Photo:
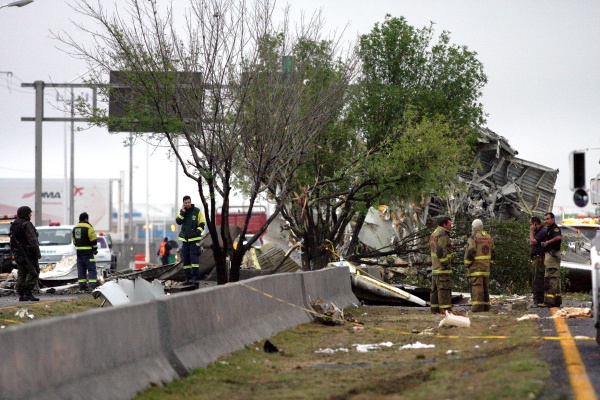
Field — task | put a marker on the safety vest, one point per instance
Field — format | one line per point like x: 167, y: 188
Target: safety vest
x: 85, y: 239
x: 162, y: 251
x: 190, y: 224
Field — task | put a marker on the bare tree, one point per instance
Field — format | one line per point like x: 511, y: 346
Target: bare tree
x: 213, y: 90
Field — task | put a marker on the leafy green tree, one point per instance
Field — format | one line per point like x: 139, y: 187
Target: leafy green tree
x: 403, y: 69
x: 405, y: 134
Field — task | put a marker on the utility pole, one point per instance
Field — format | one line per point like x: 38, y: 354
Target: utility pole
x: 39, y: 116
x: 38, y: 119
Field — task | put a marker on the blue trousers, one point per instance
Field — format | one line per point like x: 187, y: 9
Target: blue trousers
x: 86, y: 271
x: 191, y: 252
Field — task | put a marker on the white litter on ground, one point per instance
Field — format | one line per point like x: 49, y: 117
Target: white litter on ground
x: 455, y: 320
x: 363, y: 348
x: 22, y: 313
x: 331, y: 351
x: 417, y: 345
x: 528, y: 316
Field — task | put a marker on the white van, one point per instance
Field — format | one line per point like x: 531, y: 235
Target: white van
x: 56, y: 243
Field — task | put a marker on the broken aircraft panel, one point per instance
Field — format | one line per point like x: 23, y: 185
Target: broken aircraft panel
x: 501, y: 186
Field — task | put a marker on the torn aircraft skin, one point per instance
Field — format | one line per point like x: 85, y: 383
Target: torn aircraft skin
x: 369, y: 287
x: 500, y: 186
x: 503, y: 186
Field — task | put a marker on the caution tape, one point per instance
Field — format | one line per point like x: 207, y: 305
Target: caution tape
x: 436, y: 335
x: 11, y: 321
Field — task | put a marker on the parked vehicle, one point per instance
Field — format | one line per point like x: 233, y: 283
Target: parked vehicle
x: 105, y: 257
x: 58, y: 264
x: 56, y: 243
x: 6, y: 256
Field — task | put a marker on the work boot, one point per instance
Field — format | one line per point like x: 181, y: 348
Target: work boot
x: 558, y: 301
x: 29, y: 297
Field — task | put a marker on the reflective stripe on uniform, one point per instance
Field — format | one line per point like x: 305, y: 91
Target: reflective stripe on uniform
x: 441, y: 272
x: 479, y: 274
x: 190, y: 240
x: 442, y: 260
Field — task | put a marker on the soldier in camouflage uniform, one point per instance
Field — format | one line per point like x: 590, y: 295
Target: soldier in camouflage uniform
x: 441, y: 283
x: 25, y: 245
x: 479, y: 254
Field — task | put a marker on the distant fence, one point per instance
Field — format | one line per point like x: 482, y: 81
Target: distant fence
x: 115, y: 352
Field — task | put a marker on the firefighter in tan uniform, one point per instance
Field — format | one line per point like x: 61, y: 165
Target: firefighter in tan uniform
x: 479, y: 255
x: 551, y: 247
x: 441, y: 270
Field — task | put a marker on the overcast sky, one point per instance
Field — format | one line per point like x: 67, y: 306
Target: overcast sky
x: 542, y: 59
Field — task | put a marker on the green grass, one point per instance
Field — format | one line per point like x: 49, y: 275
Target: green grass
x: 48, y: 309
x: 465, y: 362
x: 480, y: 366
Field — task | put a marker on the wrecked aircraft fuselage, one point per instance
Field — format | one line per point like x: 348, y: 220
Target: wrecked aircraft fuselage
x: 501, y: 186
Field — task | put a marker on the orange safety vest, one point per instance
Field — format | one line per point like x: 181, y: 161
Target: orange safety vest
x: 162, y: 251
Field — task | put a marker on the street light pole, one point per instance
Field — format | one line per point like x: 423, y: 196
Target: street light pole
x: 39, y: 115
x: 19, y: 3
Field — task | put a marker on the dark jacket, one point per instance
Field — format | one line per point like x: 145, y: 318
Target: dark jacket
x: 537, y: 249
x: 85, y: 239
x: 192, y: 224
x: 23, y: 231
x: 552, y: 232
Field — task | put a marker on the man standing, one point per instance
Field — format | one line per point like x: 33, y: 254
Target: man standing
x: 537, y: 234
x: 25, y: 245
x: 551, y: 247
x: 192, y: 224
x: 479, y: 255
x: 164, y: 251
x: 441, y: 282
x: 86, y: 243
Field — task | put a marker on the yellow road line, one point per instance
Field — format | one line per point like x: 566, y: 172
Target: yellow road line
x: 580, y: 383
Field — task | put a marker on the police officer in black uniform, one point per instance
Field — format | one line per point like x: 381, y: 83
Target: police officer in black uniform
x: 24, y: 243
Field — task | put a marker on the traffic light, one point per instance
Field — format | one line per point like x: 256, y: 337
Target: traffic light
x: 580, y: 195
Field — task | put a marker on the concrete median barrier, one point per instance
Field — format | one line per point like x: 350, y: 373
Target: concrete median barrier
x: 332, y: 285
x: 116, y: 352
x: 108, y: 353
x: 200, y: 326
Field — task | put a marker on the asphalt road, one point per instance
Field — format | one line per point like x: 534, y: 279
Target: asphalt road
x: 571, y: 379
